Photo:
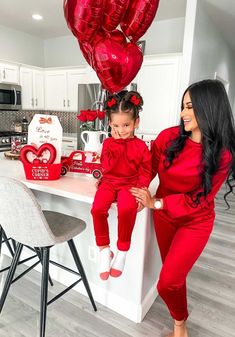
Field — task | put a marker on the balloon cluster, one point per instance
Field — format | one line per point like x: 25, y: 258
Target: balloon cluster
x: 112, y: 53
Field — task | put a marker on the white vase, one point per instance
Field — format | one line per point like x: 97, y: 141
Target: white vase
x: 92, y: 140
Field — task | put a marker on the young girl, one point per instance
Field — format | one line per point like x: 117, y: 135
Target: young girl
x: 126, y: 161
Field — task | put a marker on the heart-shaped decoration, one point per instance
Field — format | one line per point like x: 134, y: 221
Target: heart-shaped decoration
x: 30, y: 149
x: 116, y: 64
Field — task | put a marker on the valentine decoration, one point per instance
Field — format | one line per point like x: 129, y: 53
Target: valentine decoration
x: 87, y: 162
x: 113, y: 13
x: 116, y: 65
x: 42, y: 166
x: 138, y: 18
x: 45, y: 129
x: 104, y: 47
x: 84, y: 17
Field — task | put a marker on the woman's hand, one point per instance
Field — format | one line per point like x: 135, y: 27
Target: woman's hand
x: 143, y: 196
x: 140, y: 206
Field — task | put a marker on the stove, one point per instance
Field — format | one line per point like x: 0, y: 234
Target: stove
x: 5, y: 139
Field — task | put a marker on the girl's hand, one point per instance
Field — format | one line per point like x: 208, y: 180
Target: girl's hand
x: 114, y: 133
x: 143, y: 196
x: 140, y: 207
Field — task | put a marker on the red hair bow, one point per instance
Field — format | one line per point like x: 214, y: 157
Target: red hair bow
x: 111, y: 102
x: 135, y: 100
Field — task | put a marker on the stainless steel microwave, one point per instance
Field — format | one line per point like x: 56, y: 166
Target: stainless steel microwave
x: 10, y: 96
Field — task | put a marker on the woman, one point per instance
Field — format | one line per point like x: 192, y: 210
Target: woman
x: 192, y: 161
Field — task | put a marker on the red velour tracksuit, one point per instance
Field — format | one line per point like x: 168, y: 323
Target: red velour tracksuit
x: 182, y: 228
x: 126, y: 164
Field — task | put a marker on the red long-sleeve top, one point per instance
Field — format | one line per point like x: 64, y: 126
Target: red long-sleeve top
x: 126, y: 162
x: 183, y: 177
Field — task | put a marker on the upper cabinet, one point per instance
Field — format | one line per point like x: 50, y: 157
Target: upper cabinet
x: 32, y: 82
x: 158, y: 83
x: 61, y: 88
x: 9, y: 73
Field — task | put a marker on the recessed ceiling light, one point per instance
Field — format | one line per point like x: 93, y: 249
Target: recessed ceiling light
x: 37, y: 17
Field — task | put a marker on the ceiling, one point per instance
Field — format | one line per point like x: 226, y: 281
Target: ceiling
x: 16, y: 14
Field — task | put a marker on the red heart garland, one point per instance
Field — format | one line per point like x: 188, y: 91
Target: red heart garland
x: 38, y: 152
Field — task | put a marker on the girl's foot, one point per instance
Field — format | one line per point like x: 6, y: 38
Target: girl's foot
x: 106, y: 257
x: 180, y: 330
x: 118, y: 264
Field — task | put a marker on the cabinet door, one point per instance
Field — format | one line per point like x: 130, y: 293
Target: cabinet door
x: 26, y: 81
x: 55, y: 90
x: 38, y: 89
x: 158, y: 83
x: 9, y: 73
x: 74, y: 77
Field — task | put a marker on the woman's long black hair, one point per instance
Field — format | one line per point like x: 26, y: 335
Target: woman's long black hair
x: 216, y: 123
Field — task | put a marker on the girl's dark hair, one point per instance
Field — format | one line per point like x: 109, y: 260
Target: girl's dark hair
x: 124, y: 101
x: 216, y: 123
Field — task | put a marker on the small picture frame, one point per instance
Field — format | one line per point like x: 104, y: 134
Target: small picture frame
x: 141, y: 45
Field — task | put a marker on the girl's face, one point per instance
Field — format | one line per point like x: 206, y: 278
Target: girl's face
x: 123, y: 124
x: 188, y: 116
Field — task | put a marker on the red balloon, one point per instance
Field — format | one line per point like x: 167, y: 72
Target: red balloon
x: 113, y: 13
x: 116, y: 64
x: 138, y: 18
x: 84, y: 17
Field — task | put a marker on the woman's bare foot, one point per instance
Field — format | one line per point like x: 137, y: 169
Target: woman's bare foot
x: 180, y: 330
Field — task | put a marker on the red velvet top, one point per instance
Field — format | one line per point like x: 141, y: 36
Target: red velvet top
x: 126, y: 162
x: 183, y: 177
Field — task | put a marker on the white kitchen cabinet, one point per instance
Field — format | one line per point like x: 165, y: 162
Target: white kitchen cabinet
x: 32, y: 82
x: 9, y: 73
x: 61, y: 88
x: 69, y: 144
x: 158, y: 83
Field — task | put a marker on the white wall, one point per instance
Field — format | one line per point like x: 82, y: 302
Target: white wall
x: 211, y: 53
x: 162, y: 37
x: 20, y: 47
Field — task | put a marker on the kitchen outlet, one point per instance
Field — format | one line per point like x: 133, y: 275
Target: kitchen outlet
x: 92, y: 253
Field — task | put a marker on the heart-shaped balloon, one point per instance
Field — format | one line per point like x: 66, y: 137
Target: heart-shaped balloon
x: 84, y: 17
x: 138, y: 17
x: 114, y: 11
x: 30, y: 149
x: 116, y: 64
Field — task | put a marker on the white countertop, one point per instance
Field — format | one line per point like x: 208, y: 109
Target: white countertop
x: 73, y: 186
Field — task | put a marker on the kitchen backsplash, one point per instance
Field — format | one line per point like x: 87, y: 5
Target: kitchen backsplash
x: 68, y: 120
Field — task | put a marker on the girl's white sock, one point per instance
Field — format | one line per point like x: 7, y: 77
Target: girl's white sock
x: 105, y: 260
x: 118, y: 263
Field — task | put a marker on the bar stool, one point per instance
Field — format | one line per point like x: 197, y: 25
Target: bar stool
x: 23, y: 220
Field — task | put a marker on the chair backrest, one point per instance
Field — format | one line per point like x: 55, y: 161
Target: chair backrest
x: 21, y: 216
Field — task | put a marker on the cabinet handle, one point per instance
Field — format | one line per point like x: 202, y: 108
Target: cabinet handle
x: 36, y: 101
x: 68, y: 103
x: 32, y: 101
x: 64, y: 103
x: 4, y: 73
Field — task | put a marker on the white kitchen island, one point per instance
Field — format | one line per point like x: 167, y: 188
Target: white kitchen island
x: 132, y: 294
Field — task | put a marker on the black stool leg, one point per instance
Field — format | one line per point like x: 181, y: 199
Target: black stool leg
x: 6, y: 240
x: 81, y: 271
x: 10, y: 274
x: 37, y: 250
x: 44, y: 289
x: 1, y: 230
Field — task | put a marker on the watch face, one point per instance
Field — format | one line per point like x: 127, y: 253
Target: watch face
x: 157, y: 204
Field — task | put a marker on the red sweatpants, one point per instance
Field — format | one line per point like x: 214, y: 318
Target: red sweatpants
x: 180, y: 246
x: 127, y: 210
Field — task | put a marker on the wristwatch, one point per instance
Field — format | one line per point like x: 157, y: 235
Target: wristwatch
x: 157, y: 204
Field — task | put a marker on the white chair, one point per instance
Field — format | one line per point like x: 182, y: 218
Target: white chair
x: 23, y: 220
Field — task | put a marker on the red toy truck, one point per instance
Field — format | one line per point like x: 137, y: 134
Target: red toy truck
x: 82, y: 162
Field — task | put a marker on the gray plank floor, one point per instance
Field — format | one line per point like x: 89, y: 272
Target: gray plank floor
x: 211, y: 296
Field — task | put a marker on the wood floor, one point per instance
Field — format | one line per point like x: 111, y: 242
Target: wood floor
x: 211, y: 297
